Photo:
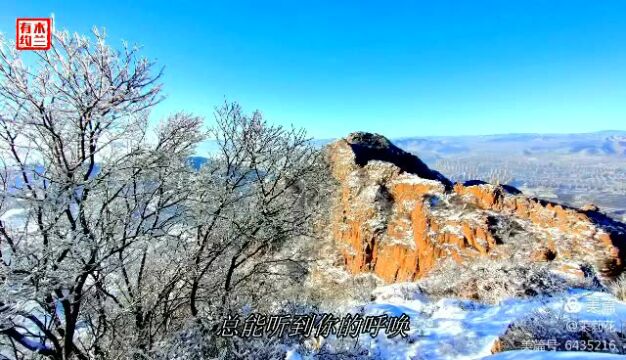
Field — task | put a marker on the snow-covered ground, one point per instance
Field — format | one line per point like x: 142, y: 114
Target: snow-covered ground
x: 13, y: 217
x: 463, y: 329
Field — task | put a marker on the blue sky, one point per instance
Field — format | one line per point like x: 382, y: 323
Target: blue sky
x: 398, y: 68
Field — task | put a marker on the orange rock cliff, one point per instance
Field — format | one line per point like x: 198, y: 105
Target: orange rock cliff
x: 396, y: 217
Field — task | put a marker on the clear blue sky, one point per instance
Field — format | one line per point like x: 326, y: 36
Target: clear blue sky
x: 399, y: 68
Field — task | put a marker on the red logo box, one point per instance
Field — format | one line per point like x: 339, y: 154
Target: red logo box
x: 33, y: 33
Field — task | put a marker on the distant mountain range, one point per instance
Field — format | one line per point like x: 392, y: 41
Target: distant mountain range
x: 431, y: 148
x: 606, y: 143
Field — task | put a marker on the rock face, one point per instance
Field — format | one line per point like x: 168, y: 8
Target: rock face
x: 396, y: 217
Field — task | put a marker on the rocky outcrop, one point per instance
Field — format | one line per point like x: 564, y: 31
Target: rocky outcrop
x: 396, y: 217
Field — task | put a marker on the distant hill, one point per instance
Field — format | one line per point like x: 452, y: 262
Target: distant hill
x: 431, y: 148
x: 605, y: 143
x: 196, y: 162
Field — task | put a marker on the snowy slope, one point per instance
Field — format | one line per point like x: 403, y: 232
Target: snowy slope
x: 463, y: 329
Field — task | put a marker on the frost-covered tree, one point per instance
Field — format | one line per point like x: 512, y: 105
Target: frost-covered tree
x: 111, y: 244
x: 261, y: 190
x: 98, y: 200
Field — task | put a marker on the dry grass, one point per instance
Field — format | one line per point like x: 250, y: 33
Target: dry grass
x: 618, y: 287
x: 491, y: 281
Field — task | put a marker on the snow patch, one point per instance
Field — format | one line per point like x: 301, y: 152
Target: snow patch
x: 463, y: 329
x: 411, y: 179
